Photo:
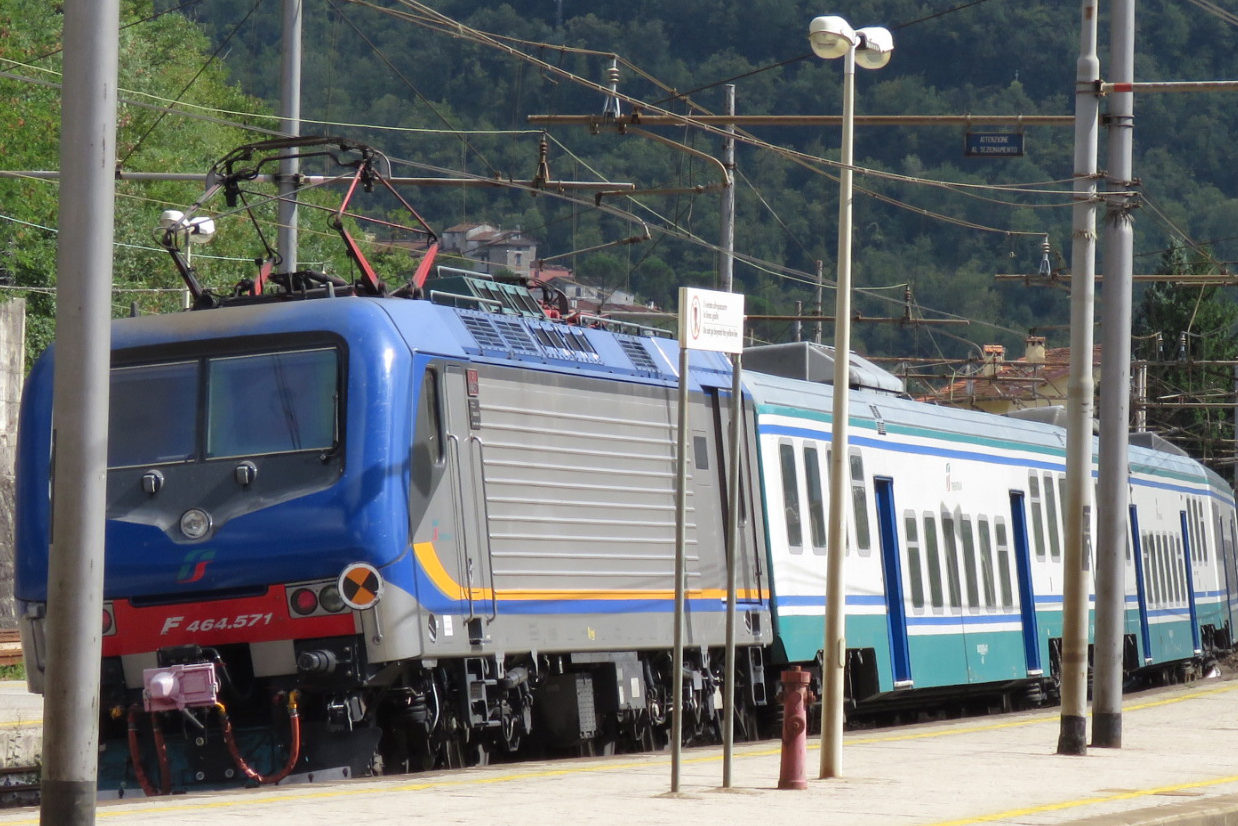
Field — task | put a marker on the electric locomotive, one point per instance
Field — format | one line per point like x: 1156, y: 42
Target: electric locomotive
x: 356, y: 528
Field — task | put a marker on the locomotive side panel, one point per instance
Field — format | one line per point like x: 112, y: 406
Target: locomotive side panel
x: 571, y: 535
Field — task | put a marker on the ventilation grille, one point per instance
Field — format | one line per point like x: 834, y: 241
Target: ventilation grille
x: 637, y: 353
x: 500, y: 334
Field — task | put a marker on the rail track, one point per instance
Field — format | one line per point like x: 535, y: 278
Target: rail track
x: 10, y: 648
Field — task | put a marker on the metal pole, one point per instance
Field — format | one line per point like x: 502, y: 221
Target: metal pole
x: 834, y: 648
x: 732, y: 562
x: 1072, y: 736
x: 79, y: 420
x: 1141, y: 397
x: 728, y: 265
x: 820, y: 289
x: 1112, y: 512
x: 290, y: 117
x: 681, y: 488
x: 728, y: 197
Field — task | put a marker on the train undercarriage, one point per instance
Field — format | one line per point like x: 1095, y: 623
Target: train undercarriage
x: 350, y: 721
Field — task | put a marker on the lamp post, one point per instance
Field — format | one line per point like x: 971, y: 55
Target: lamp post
x: 832, y: 37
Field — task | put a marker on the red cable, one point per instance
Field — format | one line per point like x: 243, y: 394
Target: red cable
x: 135, y: 754
x: 161, y: 751
x: 294, y: 747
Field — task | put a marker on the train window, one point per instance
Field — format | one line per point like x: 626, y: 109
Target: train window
x: 1038, y: 525
x: 1061, y: 498
x: 428, y: 435
x: 915, y: 576
x: 969, y: 562
x: 1176, y: 561
x: 859, y: 502
x: 816, y: 501
x: 1150, y: 575
x: 152, y: 411
x: 934, y: 561
x: 1129, y: 533
x: 1200, y: 545
x: 1003, y: 565
x: 271, y: 403
x: 986, y: 562
x: 700, y: 455
x: 1055, y: 526
x: 791, y: 497
x: 952, y: 559
x: 1165, y: 583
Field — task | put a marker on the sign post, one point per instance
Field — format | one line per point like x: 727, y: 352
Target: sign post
x: 708, y: 320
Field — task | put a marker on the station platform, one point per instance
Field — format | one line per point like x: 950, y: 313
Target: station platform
x: 1178, y: 765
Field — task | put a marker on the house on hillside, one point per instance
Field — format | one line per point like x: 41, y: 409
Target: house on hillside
x: 1038, y: 379
x: 492, y: 248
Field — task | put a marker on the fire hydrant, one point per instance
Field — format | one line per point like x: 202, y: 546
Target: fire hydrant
x: 795, y: 700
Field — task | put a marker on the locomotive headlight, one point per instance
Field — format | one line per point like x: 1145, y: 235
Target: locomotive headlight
x: 195, y: 523
x: 330, y: 600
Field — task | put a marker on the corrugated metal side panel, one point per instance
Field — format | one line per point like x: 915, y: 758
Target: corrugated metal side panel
x: 580, y: 484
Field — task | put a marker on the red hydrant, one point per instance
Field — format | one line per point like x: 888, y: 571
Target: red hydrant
x: 795, y: 700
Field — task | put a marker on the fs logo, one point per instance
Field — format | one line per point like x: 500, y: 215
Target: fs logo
x: 194, y: 566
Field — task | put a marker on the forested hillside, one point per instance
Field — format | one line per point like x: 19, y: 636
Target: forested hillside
x: 364, y: 66
x: 442, y: 99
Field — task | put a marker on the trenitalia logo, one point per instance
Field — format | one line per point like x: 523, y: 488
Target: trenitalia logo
x: 194, y: 567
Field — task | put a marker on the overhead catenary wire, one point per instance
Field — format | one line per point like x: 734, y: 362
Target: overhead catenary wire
x: 765, y: 266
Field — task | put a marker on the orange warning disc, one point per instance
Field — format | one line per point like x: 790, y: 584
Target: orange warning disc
x: 361, y: 586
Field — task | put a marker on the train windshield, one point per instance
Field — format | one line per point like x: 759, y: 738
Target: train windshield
x: 218, y: 407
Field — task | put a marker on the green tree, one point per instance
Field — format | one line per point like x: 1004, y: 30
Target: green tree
x: 1186, y: 329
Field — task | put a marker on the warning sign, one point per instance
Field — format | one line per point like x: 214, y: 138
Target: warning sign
x: 361, y: 586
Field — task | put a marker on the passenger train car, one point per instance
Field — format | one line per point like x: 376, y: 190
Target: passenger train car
x: 354, y: 529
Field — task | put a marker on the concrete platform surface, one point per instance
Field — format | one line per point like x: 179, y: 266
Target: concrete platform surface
x: 1179, y: 765
x: 21, y: 725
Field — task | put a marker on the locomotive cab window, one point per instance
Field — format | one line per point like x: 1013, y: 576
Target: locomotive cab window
x: 153, y: 414
x: 224, y: 406
x: 271, y: 403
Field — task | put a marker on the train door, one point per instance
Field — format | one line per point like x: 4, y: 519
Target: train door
x: 1027, y: 594
x: 1190, y: 580
x: 1145, y: 633
x: 896, y: 607
x: 462, y: 424
x: 1231, y: 573
x: 748, y: 575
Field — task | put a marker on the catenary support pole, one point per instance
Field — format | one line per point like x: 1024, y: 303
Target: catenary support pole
x: 732, y: 535
x: 727, y: 262
x: 732, y: 562
x: 1112, y: 510
x: 834, y: 647
x: 1072, y: 736
x: 681, y: 515
x: 79, y: 420
x: 290, y: 124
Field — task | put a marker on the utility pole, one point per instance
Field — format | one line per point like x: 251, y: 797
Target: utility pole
x: 1072, y: 735
x: 1112, y: 513
x: 728, y: 197
x: 79, y: 420
x: 820, y: 288
x: 290, y: 120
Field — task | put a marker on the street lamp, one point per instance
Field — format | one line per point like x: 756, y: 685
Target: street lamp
x: 833, y: 37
